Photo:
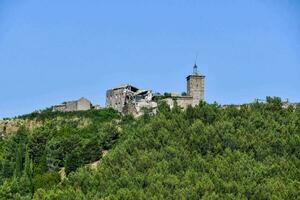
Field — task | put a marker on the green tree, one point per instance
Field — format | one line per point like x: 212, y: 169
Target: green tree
x: 28, y: 170
x: 73, y: 160
x: 46, y: 180
x: 19, y: 161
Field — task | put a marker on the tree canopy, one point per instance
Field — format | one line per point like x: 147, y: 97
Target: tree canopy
x: 205, y: 152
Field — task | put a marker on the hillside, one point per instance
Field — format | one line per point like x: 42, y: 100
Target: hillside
x: 206, y: 152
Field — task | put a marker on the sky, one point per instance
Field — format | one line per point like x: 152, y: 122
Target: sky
x: 57, y: 50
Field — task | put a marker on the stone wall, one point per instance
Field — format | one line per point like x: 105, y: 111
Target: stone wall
x: 60, y: 108
x: 69, y: 106
x: 83, y: 104
x: 115, y: 98
x: 129, y: 99
x: 182, y: 101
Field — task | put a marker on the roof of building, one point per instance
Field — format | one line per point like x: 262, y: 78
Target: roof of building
x: 73, y: 101
x: 140, y: 92
x: 83, y: 98
x: 59, y: 105
x: 125, y: 86
x: 195, y: 72
x: 195, y: 75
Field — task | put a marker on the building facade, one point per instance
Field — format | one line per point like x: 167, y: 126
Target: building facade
x: 69, y: 106
x: 129, y: 99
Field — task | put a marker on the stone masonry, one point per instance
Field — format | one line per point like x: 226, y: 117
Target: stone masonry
x: 195, y: 88
x: 69, y: 106
x: 129, y: 99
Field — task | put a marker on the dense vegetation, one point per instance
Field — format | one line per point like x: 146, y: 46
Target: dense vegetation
x: 206, y: 152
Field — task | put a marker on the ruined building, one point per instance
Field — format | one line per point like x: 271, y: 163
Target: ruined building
x: 69, y: 106
x: 129, y: 99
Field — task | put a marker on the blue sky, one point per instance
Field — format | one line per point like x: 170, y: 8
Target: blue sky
x: 57, y: 50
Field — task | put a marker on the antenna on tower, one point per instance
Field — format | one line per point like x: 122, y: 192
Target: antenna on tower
x: 195, y: 68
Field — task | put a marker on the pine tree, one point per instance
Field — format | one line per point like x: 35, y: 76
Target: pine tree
x: 28, y: 169
x: 19, y: 161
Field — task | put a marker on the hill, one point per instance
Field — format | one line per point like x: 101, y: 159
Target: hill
x: 206, y: 152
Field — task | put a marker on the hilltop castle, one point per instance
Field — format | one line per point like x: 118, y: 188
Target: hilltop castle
x: 130, y: 99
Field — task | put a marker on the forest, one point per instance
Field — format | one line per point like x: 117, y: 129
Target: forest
x: 205, y: 152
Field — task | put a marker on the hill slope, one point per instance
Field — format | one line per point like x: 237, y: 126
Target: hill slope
x: 205, y: 152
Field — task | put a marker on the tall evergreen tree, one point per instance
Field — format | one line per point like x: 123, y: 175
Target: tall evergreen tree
x: 19, y: 161
x: 28, y: 169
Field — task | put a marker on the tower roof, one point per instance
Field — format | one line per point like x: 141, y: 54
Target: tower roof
x: 195, y: 69
x: 195, y: 72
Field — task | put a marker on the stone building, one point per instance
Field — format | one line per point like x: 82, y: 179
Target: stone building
x: 129, y: 99
x: 195, y: 86
x: 69, y: 106
x: 182, y: 101
x: 195, y: 91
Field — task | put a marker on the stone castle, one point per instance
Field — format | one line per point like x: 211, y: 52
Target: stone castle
x: 129, y: 99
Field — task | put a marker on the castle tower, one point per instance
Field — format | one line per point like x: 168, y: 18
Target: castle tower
x: 195, y: 86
